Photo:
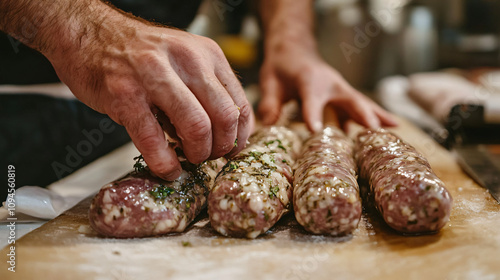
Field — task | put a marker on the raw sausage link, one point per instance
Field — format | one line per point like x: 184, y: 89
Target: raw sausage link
x: 140, y: 205
x: 253, y: 190
x: 407, y: 193
x: 326, y: 194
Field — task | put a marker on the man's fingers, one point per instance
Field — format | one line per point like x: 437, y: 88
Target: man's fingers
x: 189, y: 118
x: 149, y: 139
x: 358, y: 106
x: 386, y: 118
x: 362, y: 112
x: 246, y: 117
x: 222, y: 110
x: 271, y: 101
x: 167, y: 126
x: 312, y: 109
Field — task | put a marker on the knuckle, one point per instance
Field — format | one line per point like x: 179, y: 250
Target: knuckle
x: 198, y: 129
x: 245, y: 112
x: 211, y: 44
x: 146, y: 136
x: 227, y: 118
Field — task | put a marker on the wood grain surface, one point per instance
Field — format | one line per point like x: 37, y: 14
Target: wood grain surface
x: 467, y: 248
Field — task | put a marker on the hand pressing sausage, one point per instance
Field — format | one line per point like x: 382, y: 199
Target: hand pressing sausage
x: 293, y: 69
x: 141, y: 75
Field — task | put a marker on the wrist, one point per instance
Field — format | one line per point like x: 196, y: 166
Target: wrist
x: 288, y: 26
x: 291, y: 42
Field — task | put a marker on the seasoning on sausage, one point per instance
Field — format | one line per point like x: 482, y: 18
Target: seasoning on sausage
x: 253, y: 190
x: 140, y: 205
x: 326, y: 194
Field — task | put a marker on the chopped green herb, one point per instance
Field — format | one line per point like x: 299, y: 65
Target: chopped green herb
x: 186, y: 244
x: 280, y: 145
x: 284, y: 161
x: 255, y: 154
x: 269, y: 142
x: 266, y: 216
x: 236, y: 142
x: 139, y: 164
x: 161, y: 192
x: 273, y: 191
x: 233, y: 166
x: 272, y: 159
x: 428, y: 187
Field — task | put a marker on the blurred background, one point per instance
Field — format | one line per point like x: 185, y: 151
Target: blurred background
x: 432, y: 62
x: 367, y: 40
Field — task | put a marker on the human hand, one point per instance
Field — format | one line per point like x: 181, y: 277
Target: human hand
x: 137, y: 72
x: 292, y: 72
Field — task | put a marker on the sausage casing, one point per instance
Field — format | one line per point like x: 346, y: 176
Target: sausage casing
x: 326, y: 194
x: 140, y: 205
x: 406, y: 192
x: 253, y: 190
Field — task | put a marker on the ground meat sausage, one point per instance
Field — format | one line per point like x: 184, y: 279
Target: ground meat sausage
x: 406, y: 192
x: 253, y: 190
x: 140, y: 205
x: 326, y: 194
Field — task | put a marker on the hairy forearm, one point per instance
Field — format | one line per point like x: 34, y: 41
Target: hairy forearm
x: 288, y: 23
x: 53, y: 27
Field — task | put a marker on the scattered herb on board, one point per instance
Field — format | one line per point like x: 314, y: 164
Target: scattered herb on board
x: 139, y: 165
x: 186, y: 244
x: 161, y: 192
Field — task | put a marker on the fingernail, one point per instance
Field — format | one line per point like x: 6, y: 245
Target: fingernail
x: 317, y: 126
x: 173, y: 175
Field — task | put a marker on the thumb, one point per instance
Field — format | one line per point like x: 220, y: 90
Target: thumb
x: 271, y: 101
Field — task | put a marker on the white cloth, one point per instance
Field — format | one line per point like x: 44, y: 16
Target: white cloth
x: 34, y: 203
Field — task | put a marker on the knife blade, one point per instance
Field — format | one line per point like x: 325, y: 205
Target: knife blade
x: 482, y: 163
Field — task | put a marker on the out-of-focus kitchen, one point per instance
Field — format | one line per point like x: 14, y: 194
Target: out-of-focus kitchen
x: 434, y: 65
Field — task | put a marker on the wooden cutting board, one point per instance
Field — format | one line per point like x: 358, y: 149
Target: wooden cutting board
x: 467, y: 248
